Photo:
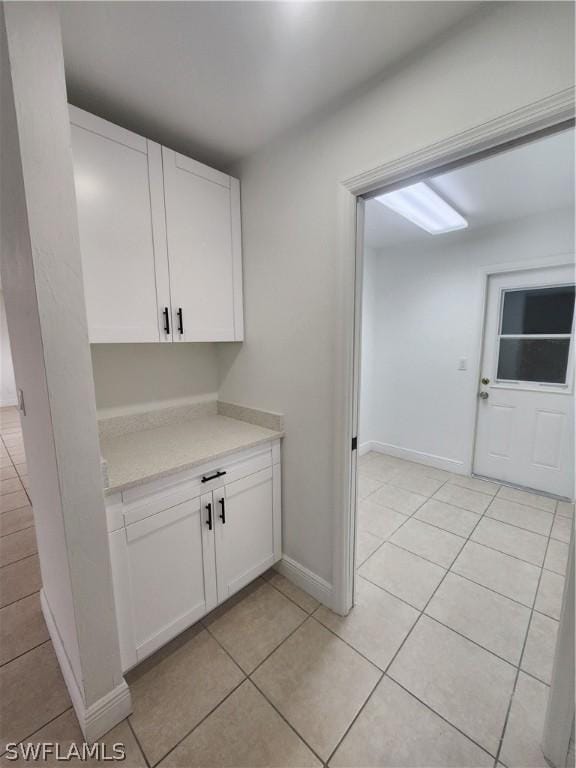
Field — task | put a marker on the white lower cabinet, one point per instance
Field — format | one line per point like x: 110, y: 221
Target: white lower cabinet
x: 174, y: 565
x: 245, y: 531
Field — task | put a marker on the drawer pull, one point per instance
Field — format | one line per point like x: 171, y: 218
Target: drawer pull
x: 166, y: 321
x: 180, y: 321
x: 223, y: 512
x: 209, y: 521
x: 207, y: 478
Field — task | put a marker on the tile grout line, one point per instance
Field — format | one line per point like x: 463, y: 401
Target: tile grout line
x: 248, y: 676
x: 310, y: 613
x: 254, y: 683
x: 442, y: 717
x: 28, y: 650
x: 461, y: 576
x: 403, y: 523
x: 26, y: 557
x: 137, y: 740
x: 480, y: 515
x: 29, y: 736
x: 549, y: 537
x: 519, y: 667
x: 19, y: 560
x: 343, y: 640
x: 483, y: 514
x: 400, y: 647
x: 430, y: 600
x: 4, y: 535
x: 474, y: 541
x: 285, y: 719
x: 36, y: 591
x: 385, y: 671
x: 502, y: 484
x: 206, y: 716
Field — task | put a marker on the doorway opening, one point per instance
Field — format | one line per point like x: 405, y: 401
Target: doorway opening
x: 465, y: 467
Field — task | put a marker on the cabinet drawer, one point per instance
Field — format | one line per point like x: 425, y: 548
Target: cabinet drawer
x: 146, y: 500
x: 161, y: 519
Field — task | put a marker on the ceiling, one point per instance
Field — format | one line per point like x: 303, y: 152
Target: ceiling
x: 217, y: 80
x: 530, y: 179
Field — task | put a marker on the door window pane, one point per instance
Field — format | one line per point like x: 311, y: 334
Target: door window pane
x: 541, y: 310
x: 540, y: 360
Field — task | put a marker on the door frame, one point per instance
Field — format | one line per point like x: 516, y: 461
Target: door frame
x: 485, y: 273
x: 528, y: 123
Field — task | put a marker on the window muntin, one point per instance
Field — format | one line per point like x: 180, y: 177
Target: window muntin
x: 535, y: 335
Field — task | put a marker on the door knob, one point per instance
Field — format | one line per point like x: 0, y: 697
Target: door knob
x: 485, y: 381
x: 483, y: 395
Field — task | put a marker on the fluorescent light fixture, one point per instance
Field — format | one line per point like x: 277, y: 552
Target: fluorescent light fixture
x: 423, y: 207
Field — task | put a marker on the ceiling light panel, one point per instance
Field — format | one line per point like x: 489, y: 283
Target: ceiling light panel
x: 422, y: 206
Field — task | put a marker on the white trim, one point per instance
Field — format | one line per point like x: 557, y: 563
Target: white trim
x: 106, y: 713
x: 421, y: 457
x: 513, y: 126
x: 365, y: 448
x: 98, y: 125
x: 236, y: 242
x: 306, y: 580
x: 559, y: 722
x: 98, y: 718
x: 69, y: 678
x: 517, y: 125
x: 184, y: 163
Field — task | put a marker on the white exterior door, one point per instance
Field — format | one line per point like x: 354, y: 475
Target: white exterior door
x: 203, y: 228
x: 244, y: 531
x: 525, y: 428
x: 120, y: 203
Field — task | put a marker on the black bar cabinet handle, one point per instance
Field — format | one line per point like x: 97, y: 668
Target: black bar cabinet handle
x: 166, y: 320
x: 207, y: 478
x: 180, y: 321
x: 223, y: 512
x: 209, y: 521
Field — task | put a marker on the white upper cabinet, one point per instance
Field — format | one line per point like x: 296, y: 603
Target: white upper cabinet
x: 125, y: 270
x: 203, y: 225
x: 160, y: 239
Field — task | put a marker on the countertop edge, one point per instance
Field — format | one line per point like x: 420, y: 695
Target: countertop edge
x: 111, y: 490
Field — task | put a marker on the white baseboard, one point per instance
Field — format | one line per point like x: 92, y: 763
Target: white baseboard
x: 107, y: 712
x: 365, y: 448
x: 431, y: 460
x: 305, y: 579
x: 104, y: 714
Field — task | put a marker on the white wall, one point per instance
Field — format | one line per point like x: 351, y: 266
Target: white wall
x: 513, y: 55
x: 43, y: 287
x: 423, y: 310
x: 7, y: 384
x: 129, y: 377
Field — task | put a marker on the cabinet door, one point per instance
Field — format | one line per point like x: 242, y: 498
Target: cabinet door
x: 172, y: 574
x: 244, y: 531
x: 119, y: 196
x: 203, y: 231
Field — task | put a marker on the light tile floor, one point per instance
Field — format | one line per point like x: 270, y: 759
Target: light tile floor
x: 445, y: 659
x: 482, y: 567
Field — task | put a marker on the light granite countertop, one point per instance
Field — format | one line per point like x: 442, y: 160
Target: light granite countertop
x: 137, y: 457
